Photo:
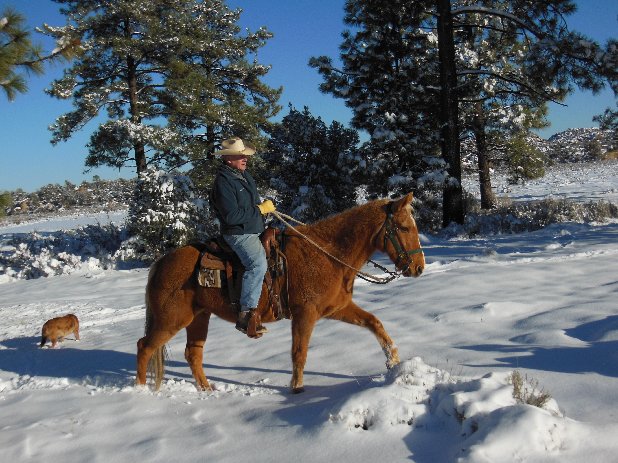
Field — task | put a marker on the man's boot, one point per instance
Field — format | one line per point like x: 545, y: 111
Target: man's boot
x: 250, y: 323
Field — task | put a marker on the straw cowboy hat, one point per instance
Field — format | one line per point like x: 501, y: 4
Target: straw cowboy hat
x: 236, y: 146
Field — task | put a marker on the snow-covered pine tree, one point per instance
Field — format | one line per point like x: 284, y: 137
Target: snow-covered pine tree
x: 313, y: 165
x: 389, y: 78
x: 172, y: 76
x: 165, y: 214
x: 389, y: 68
x: 18, y: 53
x: 514, y: 57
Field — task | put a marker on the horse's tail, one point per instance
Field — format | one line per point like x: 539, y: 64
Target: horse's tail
x: 156, y: 364
x: 43, y: 340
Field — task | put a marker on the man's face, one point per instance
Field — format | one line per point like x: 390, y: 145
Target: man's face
x: 237, y: 161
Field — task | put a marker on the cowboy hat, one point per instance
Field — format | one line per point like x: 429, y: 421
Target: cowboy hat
x: 236, y: 146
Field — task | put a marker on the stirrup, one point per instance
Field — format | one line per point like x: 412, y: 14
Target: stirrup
x: 250, y: 323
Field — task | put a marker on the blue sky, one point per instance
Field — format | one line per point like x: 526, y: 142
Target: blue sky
x: 302, y: 29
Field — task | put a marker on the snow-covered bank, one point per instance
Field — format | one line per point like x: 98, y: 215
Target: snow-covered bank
x: 60, y: 245
x: 583, y: 182
x: 63, y: 222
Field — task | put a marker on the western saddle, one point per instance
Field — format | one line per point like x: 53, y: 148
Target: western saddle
x: 220, y: 267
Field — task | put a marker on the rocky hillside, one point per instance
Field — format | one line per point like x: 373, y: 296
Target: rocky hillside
x: 578, y: 145
x: 575, y: 145
x: 572, y: 145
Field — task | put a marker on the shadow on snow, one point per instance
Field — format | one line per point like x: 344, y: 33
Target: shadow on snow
x: 599, y: 356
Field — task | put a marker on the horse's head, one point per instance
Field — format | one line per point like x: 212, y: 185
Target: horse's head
x: 399, y: 237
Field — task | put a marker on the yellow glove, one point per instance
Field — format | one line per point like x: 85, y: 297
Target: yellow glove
x: 266, y: 207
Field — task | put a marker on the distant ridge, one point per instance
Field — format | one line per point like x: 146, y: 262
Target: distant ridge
x: 571, y: 145
x: 96, y: 196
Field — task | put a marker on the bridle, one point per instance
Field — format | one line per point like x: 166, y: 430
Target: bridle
x: 391, y: 234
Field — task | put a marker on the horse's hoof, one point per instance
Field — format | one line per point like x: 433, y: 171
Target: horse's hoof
x: 298, y: 390
x: 392, y: 364
x: 392, y: 358
x: 204, y: 387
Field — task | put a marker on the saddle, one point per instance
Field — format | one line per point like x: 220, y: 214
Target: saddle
x: 220, y: 267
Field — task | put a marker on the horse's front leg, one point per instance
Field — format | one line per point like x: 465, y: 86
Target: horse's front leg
x: 353, y: 314
x: 194, y: 350
x: 303, y: 321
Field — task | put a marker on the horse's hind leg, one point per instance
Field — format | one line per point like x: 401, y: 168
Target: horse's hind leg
x: 147, y: 346
x: 194, y: 351
x: 356, y: 316
x: 303, y: 322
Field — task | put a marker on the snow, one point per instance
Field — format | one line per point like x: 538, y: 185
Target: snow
x: 541, y: 303
x: 50, y: 224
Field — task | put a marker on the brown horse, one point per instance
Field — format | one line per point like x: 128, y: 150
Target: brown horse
x: 320, y: 285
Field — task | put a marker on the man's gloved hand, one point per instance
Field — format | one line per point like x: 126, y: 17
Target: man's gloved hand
x: 266, y: 207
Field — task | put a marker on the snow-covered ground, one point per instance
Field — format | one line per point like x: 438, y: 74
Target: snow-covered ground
x: 541, y: 303
x: 581, y: 182
x: 62, y: 222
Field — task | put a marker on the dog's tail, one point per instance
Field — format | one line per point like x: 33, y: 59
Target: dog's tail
x: 43, y: 340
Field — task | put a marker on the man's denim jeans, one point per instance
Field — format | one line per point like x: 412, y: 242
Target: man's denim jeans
x: 251, y: 253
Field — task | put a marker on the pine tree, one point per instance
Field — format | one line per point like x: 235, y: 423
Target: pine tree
x: 172, y: 76
x: 313, y: 165
x: 524, y: 161
x: 518, y: 52
x: 389, y: 78
x: 6, y: 201
x: 16, y: 52
x: 518, y: 56
x: 609, y: 119
x: 164, y: 214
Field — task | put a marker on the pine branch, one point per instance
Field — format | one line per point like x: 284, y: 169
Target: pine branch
x: 502, y: 14
x: 533, y: 90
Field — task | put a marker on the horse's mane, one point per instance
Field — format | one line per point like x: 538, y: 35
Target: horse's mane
x: 363, y: 217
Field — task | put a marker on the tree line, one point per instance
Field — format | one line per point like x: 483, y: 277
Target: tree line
x: 173, y: 78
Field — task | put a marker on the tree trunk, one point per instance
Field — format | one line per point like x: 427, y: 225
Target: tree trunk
x: 138, y: 147
x: 488, y: 198
x: 452, y: 207
x: 210, y: 142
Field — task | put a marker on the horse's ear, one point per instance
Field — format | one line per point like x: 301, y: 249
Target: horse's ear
x: 402, y: 202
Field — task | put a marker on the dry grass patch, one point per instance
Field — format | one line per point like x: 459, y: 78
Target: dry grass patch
x: 527, y: 391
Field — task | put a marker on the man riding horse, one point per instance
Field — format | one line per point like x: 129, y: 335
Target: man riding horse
x: 241, y: 214
x: 322, y: 261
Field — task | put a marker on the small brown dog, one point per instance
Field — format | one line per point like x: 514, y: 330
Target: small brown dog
x: 57, y: 328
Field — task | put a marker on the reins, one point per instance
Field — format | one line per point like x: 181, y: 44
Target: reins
x: 363, y: 275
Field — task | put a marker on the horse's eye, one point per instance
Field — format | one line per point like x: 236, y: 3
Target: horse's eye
x: 403, y: 229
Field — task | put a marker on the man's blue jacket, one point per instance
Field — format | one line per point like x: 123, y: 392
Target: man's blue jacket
x: 235, y: 198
